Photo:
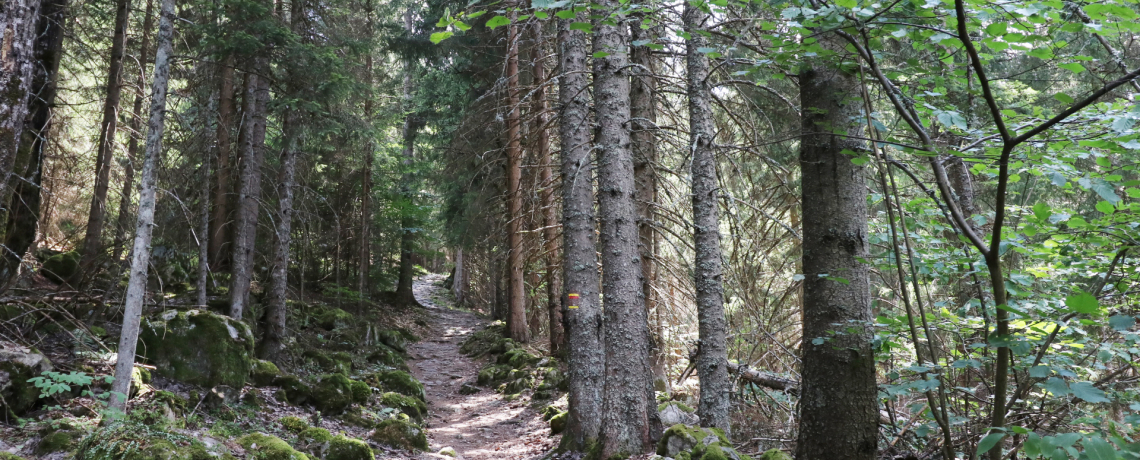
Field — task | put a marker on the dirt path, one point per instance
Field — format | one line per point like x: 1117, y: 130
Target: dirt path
x: 480, y: 426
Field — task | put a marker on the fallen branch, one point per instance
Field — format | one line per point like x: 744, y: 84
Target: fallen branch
x: 764, y: 379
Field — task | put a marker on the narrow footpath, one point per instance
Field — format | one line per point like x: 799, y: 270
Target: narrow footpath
x: 480, y: 426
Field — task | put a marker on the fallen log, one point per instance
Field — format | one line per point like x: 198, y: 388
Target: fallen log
x: 764, y: 379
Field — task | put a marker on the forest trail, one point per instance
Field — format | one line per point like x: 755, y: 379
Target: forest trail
x: 480, y: 426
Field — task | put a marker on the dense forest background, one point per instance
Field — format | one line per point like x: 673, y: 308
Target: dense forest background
x: 840, y: 229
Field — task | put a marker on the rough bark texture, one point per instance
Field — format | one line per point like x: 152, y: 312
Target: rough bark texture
x: 96, y: 218
x: 365, y: 254
x: 628, y: 408
x: 839, y: 405
x: 277, y: 309
x: 203, y: 231
x: 643, y: 115
x: 219, y: 219
x: 549, y: 210
x: 404, y: 295
x: 712, y: 357
x: 135, y: 135
x: 579, y: 259
x: 22, y: 210
x: 18, y: 19
x: 254, y: 103
x: 140, y: 256
x: 516, y: 290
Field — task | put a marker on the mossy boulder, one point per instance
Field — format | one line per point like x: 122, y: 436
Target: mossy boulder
x: 558, y: 422
x: 517, y: 385
x: 414, y: 407
x: 262, y: 446
x: 400, y: 433
x: 482, y: 342
x: 17, y: 365
x: 332, y: 393
x: 293, y: 424
x: 398, y: 381
x: 57, y: 441
x: 198, y: 347
x: 336, y: 362
x: 673, y: 413
x: 346, y: 448
x: 7, y: 456
x: 314, y: 441
x: 518, y: 358
x: 334, y: 318
x: 493, y: 373
x: 360, y: 391
x: 61, y: 267
x: 684, y: 442
x: 774, y: 454
x: 293, y: 389
x: 385, y: 355
x: 263, y: 373
x: 393, y: 339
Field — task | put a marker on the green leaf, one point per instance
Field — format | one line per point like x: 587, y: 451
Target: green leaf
x: 497, y: 21
x: 600, y: 54
x: 1106, y: 191
x: 1088, y: 392
x: 1042, y: 210
x: 706, y: 50
x: 1099, y: 449
x: 541, y: 15
x: 1039, y: 371
x: 1073, y: 67
x: 1105, y: 207
x: 996, y: 29
x: 989, y: 442
x: 565, y: 14
x: 849, y: 4
x: 1082, y: 303
x: 1063, y: 98
x: 583, y: 26
x: 1121, y: 323
x: 1057, y: 386
x: 860, y: 161
x: 441, y: 36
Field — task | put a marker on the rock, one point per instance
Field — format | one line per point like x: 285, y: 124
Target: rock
x: 517, y: 358
x: 399, y: 382
x: 293, y: 389
x: 393, y: 339
x: 388, y: 357
x: 334, y: 318
x: 673, y: 413
x: 484, y: 341
x: 360, y: 391
x: 61, y: 267
x: 262, y: 446
x: 469, y: 389
x: 448, y: 452
x: 337, y: 362
x: 293, y: 424
x: 493, y: 373
x: 163, y: 408
x: 263, y: 373
x: 221, y: 395
x: 314, y: 441
x: 690, y: 442
x: 414, y: 407
x: 332, y: 394
x: 558, y: 422
x: 400, y: 433
x: 198, y: 347
x: 17, y: 365
x: 774, y: 454
x: 345, y: 448
x: 57, y: 441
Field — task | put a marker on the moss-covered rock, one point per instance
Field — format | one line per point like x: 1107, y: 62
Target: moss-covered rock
x: 332, y: 394
x: 493, y: 374
x: 399, y: 382
x: 8, y: 456
x: 393, y: 339
x: 517, y: 385
x: 360, y: 391
x: 57, y: 441
x: 518, y: 358
x: 198, y: 347
x: 262, y: 446
x: 61, y: 267
x: 263, y: 373
x: 293, y: 424
x: 335, y: 362
x: 774, y: 454
x: 482, y: 342
x: 696, y: 443
x: 314, y: 441
x: 334, y: 318
x: 558, y: 422
x: 399, y: 433
x: 17, y: 365
x: 293, y: 389
x: 673, y: 413
x: 414, y: 407
x: 345, y: 448
x: 385, y: 355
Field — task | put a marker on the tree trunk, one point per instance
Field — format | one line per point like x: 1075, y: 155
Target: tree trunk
x: 628, y: 410
x: 839, y: 404
x: 366, y: 180
x: 579, y: 250
x: 712, y: 357
x: 249, y: 195
x: 549, y: 211
x: 140, y: 256
x: 404, y: 294
x: 277, y: 309
x: 516, y: 290
x: 23, y: 209
x: 643, y: 116
x: 135, y: 135
x: 203, y: 231
x: 96, y: 219
x: 219, y: 220
x: 459, y: 281
x: 19, y: 19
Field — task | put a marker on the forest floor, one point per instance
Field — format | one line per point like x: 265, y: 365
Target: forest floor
x: 480, y: 426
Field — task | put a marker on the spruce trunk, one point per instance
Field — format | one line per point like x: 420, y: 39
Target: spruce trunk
x: 133, y: 143
x: 255, y: 101
x: 516, y: 288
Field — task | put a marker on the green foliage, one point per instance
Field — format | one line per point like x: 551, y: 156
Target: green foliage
x: 293, y: 424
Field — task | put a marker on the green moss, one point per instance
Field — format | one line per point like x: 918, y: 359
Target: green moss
x: 57, y: 441
x: 400, y: 433
x: 482, y: 342
x: 399, y: 382
x: 774, y: 454
x: 262, y: 446
x: 295, y: 391
x: 263, y: 372
x: 493, y: 373
x: 293, y: 424
x: 314, y: 435
x: 550, y: 411
x: 17, y: 365
x: 61, y: 267
x: 387, y: 356
x: 332, y: 394
x: 691, y: 442
x: 558, y: 422
x: 683, y: 407
x: 518, y: 358
x: 345, y: 448
x: 334, y: 318
x: 7, y: 456
x: 414, y: 407
x: 198, y: 347
x: 517, y: 385
x: 360, y: 391
x: 338, y: 362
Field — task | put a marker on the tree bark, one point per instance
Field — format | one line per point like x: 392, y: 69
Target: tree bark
x: 366, y: 181
x: 549, y: 211
x: 459, y: 280
x: 96, y: 218
x: 135, y: 135
x: 203, y: 231
x: 579, y: 259
x: 277, y: 309
x: 254, y: 103
x: 643, y: 116
x: 140, y: 256
x: 23, y: 208
x: 712, y: 357
x: 839, y: 404
x: 219, y: 220
x: 628, y: 409
x: 18, y: 18
x: 404, y: 295
x: 516, y: 290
